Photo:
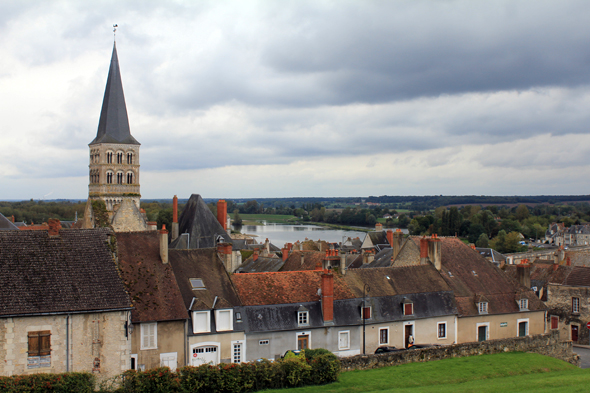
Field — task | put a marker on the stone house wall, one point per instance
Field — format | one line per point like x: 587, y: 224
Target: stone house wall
x: 170, y: 339
x: 544, y: 344
x: 97, y: 343
x: 559, y: 303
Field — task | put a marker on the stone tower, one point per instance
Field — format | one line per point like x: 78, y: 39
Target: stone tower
x: 114, y: 153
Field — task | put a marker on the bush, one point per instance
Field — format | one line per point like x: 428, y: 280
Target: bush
x: 325, y: 369
x: 61, y: 383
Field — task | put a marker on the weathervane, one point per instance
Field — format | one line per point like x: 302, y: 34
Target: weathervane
x: 115, y: 31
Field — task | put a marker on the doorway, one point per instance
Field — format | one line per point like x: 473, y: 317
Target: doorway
x: 482, y: 333
x: 522, y: 329
x: 409, y: 332
x: 574, y: 333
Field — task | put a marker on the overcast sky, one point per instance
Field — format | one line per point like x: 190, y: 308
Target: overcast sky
x: 302, y: 98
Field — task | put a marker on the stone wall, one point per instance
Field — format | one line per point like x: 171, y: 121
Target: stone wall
x: 544, y: 344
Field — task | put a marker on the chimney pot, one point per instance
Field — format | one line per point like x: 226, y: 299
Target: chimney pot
x: 54, y: 226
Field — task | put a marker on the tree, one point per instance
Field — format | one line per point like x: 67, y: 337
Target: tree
x: 483, y: 241
x: 475, y: 231
x: 522, y: 212
x: 165, y: 218
x: 237, y: 218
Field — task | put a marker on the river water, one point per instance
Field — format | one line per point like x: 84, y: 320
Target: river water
x: 279, y: 234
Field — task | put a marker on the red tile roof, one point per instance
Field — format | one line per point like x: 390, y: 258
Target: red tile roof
x: 311, y: 259
x: 285, y: 287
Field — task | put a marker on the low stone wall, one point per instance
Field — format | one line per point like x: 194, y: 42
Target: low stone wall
x: 545, y: 344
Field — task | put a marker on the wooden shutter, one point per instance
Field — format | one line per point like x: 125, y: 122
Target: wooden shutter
x: 366, y: 312
x: 44, y: 343
x: 408, y: 309
x: 33, y: 343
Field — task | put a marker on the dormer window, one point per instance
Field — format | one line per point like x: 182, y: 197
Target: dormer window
x: 197, y: 283
x: 408, y: 307
x: 523, y: 304
x: 303, y: 318
x: 483, y: 307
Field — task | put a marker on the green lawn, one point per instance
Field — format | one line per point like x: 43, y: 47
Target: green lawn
x: 278, y: 218
x: 509, y: 372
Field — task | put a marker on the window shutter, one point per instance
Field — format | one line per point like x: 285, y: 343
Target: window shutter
x: 367, y: 313
x: 151, y: 335
x: 408, y: 309
x: 33, y: 343
x: 44, y: 343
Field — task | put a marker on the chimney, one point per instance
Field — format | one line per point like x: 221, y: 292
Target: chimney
x: 365, y: 258
x: 423, y: 251
x: 378, y: 227
x: 222, y: 213
x: 434, y: 251
x: 224, y: 250
x: 164, y: 244
x: 472, y: 246
x: 255, y: 255
x: 390, y: 237
x: 396, y: 244
x: 12, y: 219
x: 302, y: 258
x: 328, y: 296
x: 267, y: 245
x: 174, y: 218
x: 54, y: 227
x: 523, y: 272
x: 342, y: 262
x: 285, y: 254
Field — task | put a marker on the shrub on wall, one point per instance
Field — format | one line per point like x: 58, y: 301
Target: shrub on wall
x: 60, y: 383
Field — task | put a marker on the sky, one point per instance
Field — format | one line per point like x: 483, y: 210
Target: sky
x: 246, y: 99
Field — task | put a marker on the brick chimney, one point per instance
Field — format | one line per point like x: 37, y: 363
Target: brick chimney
x: 390, y: 237
x: 222, y: 213
x: 12, y: 218
x: 328, y: 296
x: 285, y: 254
x: 423, y: 251
x: 434, y: 251
x: 174, y: 234
x: 255, y: 255
x: 54, y: 227
x: 164, y: 244
x: 523, y: 273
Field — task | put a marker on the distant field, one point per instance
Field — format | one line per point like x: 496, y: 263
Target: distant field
x: 507, y: 372
x: 281, y: 219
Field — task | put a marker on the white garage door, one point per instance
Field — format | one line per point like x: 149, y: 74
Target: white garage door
x: 204, y: 355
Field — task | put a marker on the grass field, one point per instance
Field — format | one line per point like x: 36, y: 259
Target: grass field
x: 509, y: 372
x: 251, y: 219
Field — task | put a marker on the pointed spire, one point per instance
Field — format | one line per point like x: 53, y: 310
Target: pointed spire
x: 113, y: 126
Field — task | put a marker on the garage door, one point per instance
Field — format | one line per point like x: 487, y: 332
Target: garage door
x: 204, y: 355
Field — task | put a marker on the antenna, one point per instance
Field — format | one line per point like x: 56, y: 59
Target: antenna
x: 115, y: 32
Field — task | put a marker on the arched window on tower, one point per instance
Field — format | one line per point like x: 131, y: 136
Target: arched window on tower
x: 129, y: 177
x: 119, y: 157
x: 109, y: 157
x: 109, y: 177
x: 129, y: 158
x: 119, y: 177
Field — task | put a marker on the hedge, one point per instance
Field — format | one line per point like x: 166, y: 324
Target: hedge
x: 319, y: 368
x: 59, y: 383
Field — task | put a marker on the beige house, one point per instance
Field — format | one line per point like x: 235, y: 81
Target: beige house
x: 63, y: 306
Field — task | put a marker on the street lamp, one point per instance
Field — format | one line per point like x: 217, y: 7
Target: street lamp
x: 366, y: 289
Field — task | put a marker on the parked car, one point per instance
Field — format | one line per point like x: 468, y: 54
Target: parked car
x: 295, y: 352
x: 385, y: 349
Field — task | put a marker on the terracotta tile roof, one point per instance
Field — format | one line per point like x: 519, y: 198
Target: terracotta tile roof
x: 151, y: 284
x: 390, y: 281
x: 72, y: 272
x: 311, y: 259
x: 578, y: 277
x: 285, y: 287
x: 472, y: 275
x: 204, y: 264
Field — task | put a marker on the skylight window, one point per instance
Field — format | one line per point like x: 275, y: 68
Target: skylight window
x: 197, y: 283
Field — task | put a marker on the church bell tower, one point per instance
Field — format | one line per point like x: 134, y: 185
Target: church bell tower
x: 114, y: 153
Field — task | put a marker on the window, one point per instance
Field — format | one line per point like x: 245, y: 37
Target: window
x: 149, y: 335
x: 408, y: 309
x: 383, y: 336
x: 109, y: 157
x: 523, y: 327
x: 482, y: 331
x: 197, y: 283
x: 237, y: 353
x: 201, y: 322
x: 442, y: 330
x: 224, y: 320
x: 238, y: 317
x: 344, y: 340
x: 119, y: 157
x: 523, y: 304
x: 303, y: 318
x: 119, y: 177
x: 39, y: 352
x: 303, y: 340
x: 129, y: 178
x: 554, y: 322
x: 483, y: 307
x: 129, y: 158
x: 109, y: 177
x: 366, y: 312
x: 263, y: 342
x: 575, y: 305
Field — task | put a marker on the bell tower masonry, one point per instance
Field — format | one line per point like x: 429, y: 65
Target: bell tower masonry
x: 114, y: 153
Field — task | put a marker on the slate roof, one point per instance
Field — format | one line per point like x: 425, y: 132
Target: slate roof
x: 151, y: 284
x: 206, y: 265
x: 201, y: 225
x: 473, y: 276
x: 578, y: 277
x: 378, y: 238
x: 257, y: 289
x: 113, y: 126
x: 311, y: 259
x: 494, y: 255
x: 73, y: 272
x: 262, y: 264
x: 6, y: 224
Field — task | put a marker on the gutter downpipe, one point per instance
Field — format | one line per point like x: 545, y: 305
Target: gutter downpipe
x: 68, y: 343
x: 456, y: 329
x: 186, y: 354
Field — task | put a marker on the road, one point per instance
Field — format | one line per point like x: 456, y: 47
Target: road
x: 584, y: 353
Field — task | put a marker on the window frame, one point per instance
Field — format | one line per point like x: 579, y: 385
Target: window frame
x: 477, y: 326
x: 575, y: 305
x: 341, y: 333
x: 518, y: 322
x: 218, y: 314
x: 302, y: 318
x: 482, y: 307
x: 556, y: 319
x: 411, y: 306
x: 370, y: 313
x: 523, y: 304
x: 144, y: 334
x: 386, y: 330
x: 438, y: 325
x: 208, y: 322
